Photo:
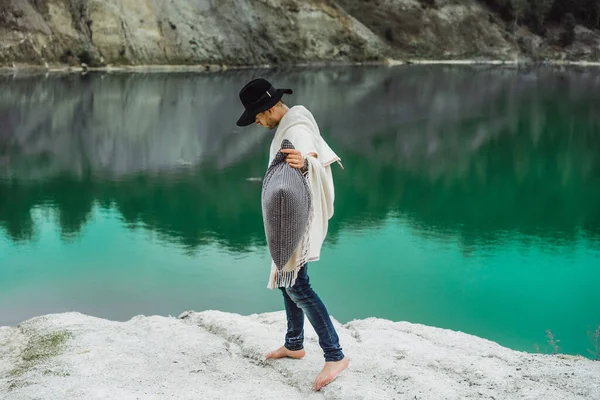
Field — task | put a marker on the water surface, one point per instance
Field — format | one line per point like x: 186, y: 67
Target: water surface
x: 470, y: 198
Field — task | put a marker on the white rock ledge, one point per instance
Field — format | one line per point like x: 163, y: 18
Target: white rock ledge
x: 216, y: 355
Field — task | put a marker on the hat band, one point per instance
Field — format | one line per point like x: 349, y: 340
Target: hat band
x: 265, y: 96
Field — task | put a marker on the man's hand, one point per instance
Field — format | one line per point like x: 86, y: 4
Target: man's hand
x: 294, y: 158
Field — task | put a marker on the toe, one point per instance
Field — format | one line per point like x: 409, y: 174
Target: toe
x: 320, y: 383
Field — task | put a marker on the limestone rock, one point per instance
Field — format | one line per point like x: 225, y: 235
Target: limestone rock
x: 231, y: 32
x: 219, y: 355
x: 267, y: 32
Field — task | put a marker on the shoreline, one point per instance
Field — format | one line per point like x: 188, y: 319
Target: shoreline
x: 208, y: 68
x: 581, y: 356
x: 70, y: 356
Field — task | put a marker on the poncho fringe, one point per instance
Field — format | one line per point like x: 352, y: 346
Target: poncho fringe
x: 286, y: 278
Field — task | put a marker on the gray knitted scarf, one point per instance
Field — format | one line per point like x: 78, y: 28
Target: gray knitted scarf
x: 286, y: 206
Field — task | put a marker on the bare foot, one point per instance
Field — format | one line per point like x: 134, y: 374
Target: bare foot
x: 283, y: 352
x: 329, y: 372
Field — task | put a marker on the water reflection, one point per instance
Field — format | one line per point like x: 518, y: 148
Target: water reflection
x: 471, y: 153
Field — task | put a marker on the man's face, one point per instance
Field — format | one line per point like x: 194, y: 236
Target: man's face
x: 266, y: 119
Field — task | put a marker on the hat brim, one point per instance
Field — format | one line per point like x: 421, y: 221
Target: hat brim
x: 248, y: 117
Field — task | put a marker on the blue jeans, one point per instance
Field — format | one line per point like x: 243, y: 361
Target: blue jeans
x: 300, y: 299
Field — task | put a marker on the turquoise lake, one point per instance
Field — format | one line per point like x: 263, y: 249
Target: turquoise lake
x: 470, y: 198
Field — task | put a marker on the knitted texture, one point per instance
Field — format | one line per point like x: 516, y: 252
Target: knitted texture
x: 286, y: 205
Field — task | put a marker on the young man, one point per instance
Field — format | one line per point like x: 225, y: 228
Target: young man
x: 314, y: 157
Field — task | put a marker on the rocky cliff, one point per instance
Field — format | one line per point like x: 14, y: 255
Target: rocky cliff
x: 448, y: 29
x: 229, y: 32
x: 258, y: 32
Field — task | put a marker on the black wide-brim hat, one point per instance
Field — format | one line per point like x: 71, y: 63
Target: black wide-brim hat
x: 257, y: 96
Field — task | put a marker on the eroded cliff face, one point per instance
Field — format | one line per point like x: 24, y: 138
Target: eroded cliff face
x: 449, y: 29
x: 260, y: 32
x: 446, y: 29
x: 232, y: 32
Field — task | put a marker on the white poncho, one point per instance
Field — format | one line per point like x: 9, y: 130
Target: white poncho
x: 300, y: 128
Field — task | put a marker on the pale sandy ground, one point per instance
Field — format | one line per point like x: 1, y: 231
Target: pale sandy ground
x: 215, y: 355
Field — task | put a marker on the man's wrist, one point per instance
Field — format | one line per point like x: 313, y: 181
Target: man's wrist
x: 304, y: 168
